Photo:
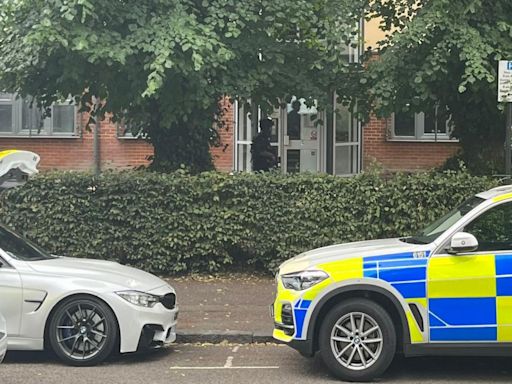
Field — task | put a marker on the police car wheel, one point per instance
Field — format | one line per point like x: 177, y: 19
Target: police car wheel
x: 357, y: 340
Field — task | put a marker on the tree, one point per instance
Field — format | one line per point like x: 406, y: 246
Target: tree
x: 164, y: 65
x: 445, y: 53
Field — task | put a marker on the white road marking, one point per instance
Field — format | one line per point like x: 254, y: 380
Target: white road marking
x: 214, y: 368
x: 227, y: 365
x: 229, y: 362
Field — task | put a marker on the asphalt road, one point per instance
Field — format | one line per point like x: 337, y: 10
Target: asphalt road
x: 240, y: 364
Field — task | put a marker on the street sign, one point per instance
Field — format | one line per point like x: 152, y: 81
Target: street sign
x: 505, y: 81
x: 505, y: 95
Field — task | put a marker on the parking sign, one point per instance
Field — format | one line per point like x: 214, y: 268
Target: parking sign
x: 505, y: 81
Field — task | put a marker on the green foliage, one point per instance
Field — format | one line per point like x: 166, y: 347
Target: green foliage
x: 164, y: 65
x: 445, y: 53
x: 177, y: 223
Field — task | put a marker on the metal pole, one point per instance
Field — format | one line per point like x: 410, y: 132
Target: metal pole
x: 96, y: 140
x: 508, y: 141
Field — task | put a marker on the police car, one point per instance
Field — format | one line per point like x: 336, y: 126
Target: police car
x: 445, y: 291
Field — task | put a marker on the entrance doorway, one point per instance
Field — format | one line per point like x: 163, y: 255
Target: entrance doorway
x: 299, y: 140
x: 303, y: 131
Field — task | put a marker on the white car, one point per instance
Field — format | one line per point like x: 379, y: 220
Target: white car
x: 82, y: 309
x: 3, y: 338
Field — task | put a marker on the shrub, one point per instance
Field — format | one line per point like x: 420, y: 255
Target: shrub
x: 176, y: 223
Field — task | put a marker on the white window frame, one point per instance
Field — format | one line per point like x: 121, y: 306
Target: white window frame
x: 353, y: 142
x: 9, y: 100
x: 419, y: 131
x: 123, y: 132
x: 46, y: 131
x: 241, y: 112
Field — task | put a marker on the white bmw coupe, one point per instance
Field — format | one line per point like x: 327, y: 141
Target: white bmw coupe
x: 82, y: 309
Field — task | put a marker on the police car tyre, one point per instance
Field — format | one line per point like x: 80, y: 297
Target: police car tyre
x: 357, y: 340
x: 83, y: 331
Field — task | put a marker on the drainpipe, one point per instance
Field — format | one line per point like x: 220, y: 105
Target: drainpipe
x: 96, y: 140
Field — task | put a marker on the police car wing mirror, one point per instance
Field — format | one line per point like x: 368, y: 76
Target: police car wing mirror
x: 463, y: 242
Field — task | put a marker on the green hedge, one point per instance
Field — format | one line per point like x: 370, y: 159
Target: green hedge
x: 177, y: 223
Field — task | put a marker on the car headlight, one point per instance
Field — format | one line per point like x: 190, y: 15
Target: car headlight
x: 303, y: 280
x: 140, y: 298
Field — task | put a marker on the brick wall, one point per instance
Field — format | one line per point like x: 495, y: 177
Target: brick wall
x: 77, y: 152
x: 223, y: 154
x: 401, y: 156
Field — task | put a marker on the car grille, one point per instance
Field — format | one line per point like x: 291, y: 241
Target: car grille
x: 169, y: 300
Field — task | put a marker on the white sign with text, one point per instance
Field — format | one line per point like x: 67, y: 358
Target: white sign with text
x: 505, y: 81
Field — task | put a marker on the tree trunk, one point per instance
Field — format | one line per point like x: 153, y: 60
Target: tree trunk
x: 183, y: 145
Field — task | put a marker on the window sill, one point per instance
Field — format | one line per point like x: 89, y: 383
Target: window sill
x: 130, y: 138
x: 7, y: 136
x: 422, y: 140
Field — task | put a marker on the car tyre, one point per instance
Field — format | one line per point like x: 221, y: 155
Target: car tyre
x: 83, y: 331
x: 357, y: 340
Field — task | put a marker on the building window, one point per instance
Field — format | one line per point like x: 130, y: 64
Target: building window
x: 423, y: 126
x: 347, y: 148
x: 19, y: 117
x: 245, y: 132
x: 125, y: 131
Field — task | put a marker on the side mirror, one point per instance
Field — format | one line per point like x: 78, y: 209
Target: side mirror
x: 463, y: 242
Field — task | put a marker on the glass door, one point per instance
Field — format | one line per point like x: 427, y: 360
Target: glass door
x: 301, y: 138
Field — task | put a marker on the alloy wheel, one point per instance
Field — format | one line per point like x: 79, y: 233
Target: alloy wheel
x: 356, y: 341
x: 82, y: 330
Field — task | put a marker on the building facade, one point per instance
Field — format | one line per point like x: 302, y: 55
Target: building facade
x: 302, y: 138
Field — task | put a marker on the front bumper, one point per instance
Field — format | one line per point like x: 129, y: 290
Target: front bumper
x: 155, y: 329
x: 142, y: 328
x: 287, y: 327
x: 291, y: 312
x: 156, y: 336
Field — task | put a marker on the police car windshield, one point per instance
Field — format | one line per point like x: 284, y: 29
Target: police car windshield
x: 437, y: 228
x: 20, y: 248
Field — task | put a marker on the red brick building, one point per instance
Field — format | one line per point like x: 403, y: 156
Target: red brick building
x: 396, y: 143
x: 340, y: 146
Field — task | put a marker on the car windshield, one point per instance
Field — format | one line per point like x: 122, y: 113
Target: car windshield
x: 20, y: 248
x: 437, y: 228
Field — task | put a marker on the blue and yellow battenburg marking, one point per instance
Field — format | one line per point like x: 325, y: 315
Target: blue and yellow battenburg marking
x: 406, y: 272
x: 300, y: 309
x: 469, y: 297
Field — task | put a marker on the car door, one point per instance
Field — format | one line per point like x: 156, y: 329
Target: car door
x: 10, y: 297
x: 470, y: 294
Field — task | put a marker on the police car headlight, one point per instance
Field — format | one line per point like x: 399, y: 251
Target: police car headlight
x: 303, y: 280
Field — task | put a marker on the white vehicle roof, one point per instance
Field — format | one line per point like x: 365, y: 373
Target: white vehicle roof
x: 496, y: 192
x: 25, y: 161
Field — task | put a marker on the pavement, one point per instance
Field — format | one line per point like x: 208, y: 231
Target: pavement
x: 248, y: 363
x: 232, y: 308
